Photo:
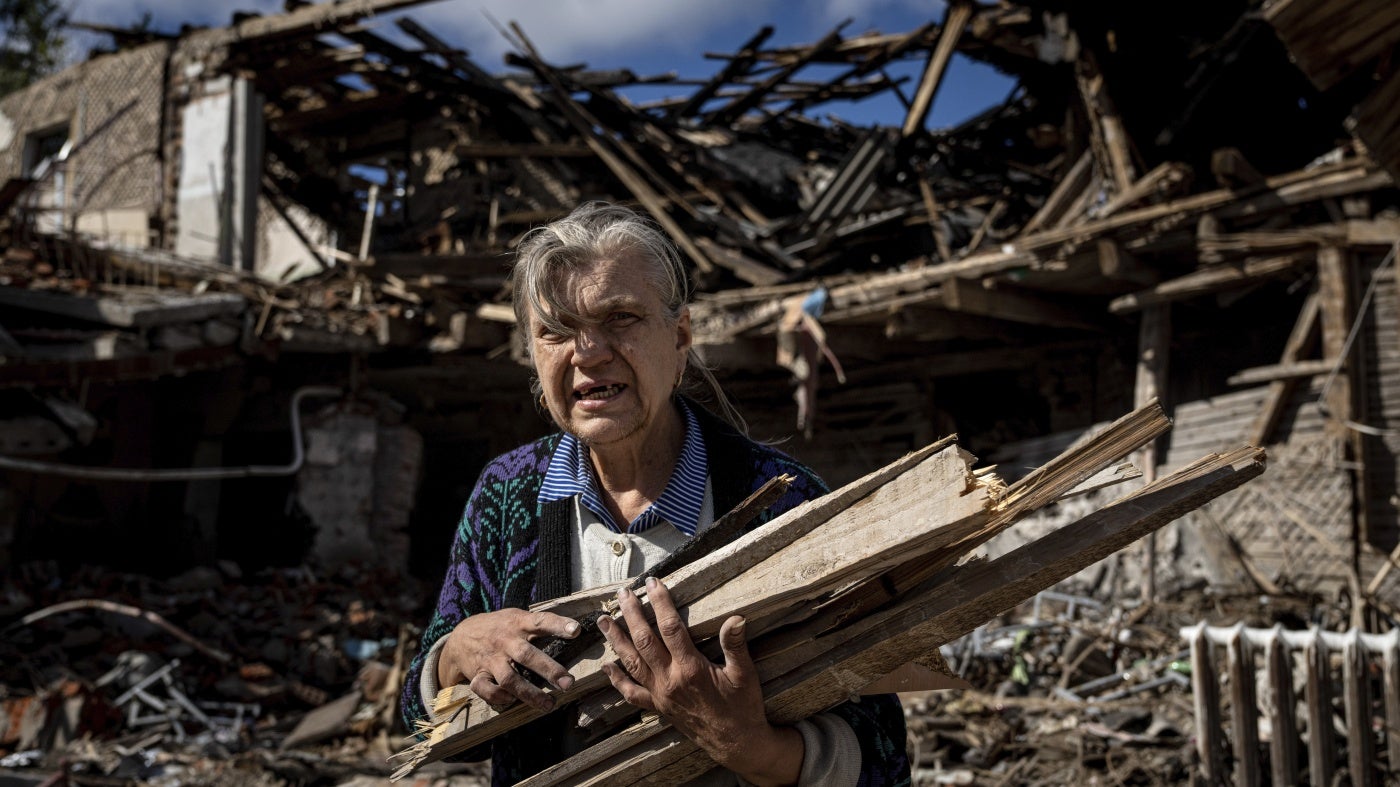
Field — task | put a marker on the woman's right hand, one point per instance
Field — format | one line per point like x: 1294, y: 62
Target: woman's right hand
x: 484, y: 649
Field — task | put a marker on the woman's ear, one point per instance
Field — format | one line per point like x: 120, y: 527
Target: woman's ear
x: 684, y: 338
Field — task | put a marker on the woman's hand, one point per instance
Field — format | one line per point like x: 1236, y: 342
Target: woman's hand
x: 485, y: 648
x: 719, y: 707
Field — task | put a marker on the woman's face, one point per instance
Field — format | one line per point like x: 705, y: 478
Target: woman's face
x: 609, y: 380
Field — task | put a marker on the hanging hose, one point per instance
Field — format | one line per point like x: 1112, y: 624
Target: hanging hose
x: 187, y: 473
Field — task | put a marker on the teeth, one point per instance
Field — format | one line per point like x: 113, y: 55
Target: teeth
x: 604, y: 392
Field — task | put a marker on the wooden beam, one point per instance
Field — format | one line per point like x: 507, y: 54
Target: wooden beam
x: 969, y: 296
x: 1300, y: 339
x: 1163, y: 181
x: 1281, y: 371
x: 1275, y: 194
x: 310, y: 19
x: 954, y: 21
x: 1110, y: 139
x: 1207, y: 281
x: 1075, y: 182
x: 1340, y: 400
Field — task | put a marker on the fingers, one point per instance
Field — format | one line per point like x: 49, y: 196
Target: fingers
x: 502, y: 686
x: 538, y: 662
x: 539, y: 624
x: 733, y: 641
x: 485, y: 649
x: 632, y: 641
x: 669, y: 625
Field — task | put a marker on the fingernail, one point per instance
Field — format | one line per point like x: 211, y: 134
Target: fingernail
x: 605, y: 624
x: 571, y: 629
x: 622, y: 593
x: 566, y: 682
x: 651, y: 583
x: 739, y: 627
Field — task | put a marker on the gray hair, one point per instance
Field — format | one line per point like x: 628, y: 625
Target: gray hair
x: 594, y: 231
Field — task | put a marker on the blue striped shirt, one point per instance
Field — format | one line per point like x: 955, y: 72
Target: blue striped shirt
x: 571, y: 473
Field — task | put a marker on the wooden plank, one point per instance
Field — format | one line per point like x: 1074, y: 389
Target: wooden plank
x: 1161, y: 181
x: 1273, y: 195
x: 799, y: 684
x: 1108, y: 133
x: 1154, y: 355
x: 1206, y: 281
x: 954, y: 22
x: 309, y: 19
x: 1004, y: 303
x: 1299, y: 340
x: 1281, y: 371
x: 1075, y: 182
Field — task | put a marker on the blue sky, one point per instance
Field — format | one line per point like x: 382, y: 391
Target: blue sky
x: 647, y: 36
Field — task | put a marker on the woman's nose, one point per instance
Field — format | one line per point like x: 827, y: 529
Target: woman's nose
x: 591, y: 346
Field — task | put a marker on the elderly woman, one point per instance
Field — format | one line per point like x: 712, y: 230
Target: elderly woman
x: 636, y: 470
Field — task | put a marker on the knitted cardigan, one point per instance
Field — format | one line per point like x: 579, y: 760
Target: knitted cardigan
x: 510, y: 550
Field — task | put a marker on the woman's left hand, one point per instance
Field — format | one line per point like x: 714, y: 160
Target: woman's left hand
x: 719, y: 707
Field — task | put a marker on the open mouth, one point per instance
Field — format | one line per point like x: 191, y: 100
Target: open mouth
x: 599, y: 392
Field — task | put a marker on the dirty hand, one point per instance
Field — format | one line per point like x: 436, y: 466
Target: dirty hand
x: 719, y: 707
x: 485, y: 648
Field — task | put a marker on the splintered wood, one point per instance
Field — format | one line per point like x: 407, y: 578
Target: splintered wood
x: 847, y: 588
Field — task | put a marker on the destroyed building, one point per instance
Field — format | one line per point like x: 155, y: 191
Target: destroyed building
x: 253, y: 304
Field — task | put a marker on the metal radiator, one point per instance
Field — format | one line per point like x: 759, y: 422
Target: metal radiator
x: 1362, y: 670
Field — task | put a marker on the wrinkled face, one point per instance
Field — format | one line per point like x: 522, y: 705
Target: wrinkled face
x: 608, y: 380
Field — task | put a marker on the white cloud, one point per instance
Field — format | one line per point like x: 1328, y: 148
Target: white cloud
x: 615, y: 31
x: 568, y: 30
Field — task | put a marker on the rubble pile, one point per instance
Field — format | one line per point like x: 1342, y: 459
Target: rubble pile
x: 287, y: 677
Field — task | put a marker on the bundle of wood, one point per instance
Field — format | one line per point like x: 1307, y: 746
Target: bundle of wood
x: 845, y: 589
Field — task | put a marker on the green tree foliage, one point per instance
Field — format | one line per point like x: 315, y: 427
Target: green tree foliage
x: 33, y: 42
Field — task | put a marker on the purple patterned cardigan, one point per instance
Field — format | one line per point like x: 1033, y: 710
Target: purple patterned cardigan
x: 511, y: 551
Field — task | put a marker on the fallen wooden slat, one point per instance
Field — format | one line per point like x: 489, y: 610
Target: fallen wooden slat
x: 840, y: 663
x: 1074, y: 183
x: 954, y: 22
